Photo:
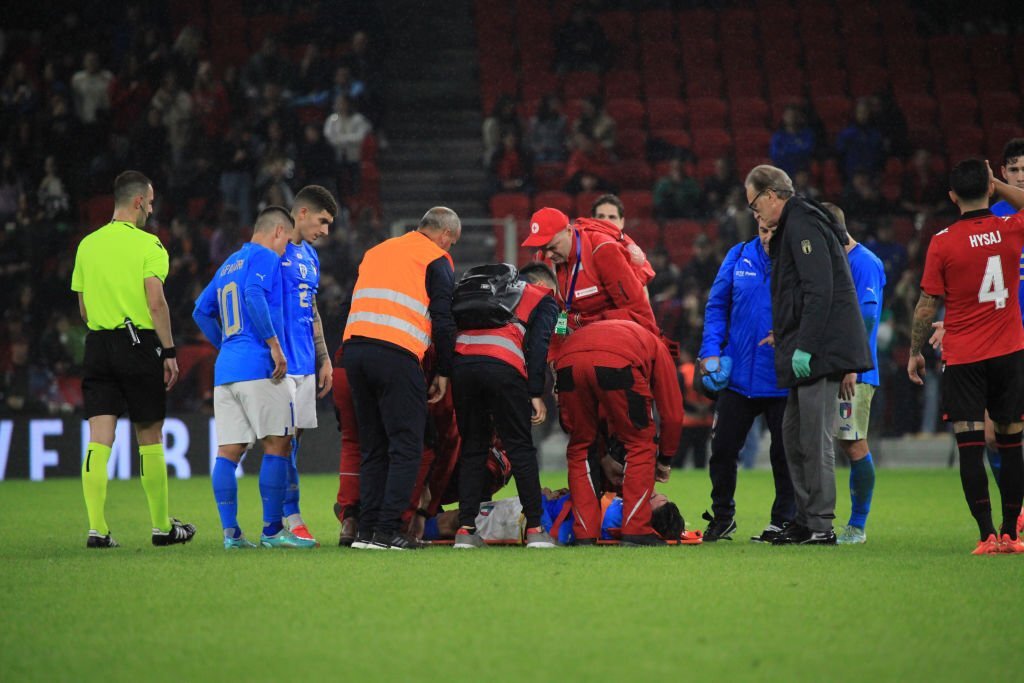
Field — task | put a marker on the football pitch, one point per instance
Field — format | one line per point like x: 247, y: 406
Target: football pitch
x: 911, y: 604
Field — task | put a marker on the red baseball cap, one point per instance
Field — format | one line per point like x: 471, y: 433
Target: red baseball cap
x: 545, y: 224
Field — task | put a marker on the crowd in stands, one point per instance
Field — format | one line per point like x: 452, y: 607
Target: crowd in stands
x: 669, y: 104
x: 222, y: 130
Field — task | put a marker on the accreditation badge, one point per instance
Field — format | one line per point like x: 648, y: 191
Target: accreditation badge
x: 562, y: 324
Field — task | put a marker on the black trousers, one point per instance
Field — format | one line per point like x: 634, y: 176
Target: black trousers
x: 488, y: 397
x: 390, y: 397
x: 734, y: 414
x: 693, y: 440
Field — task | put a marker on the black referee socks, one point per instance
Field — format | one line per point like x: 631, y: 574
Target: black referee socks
x: 974, y: 479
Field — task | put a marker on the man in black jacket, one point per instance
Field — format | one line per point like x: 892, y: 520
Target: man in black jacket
x: 819, y: 337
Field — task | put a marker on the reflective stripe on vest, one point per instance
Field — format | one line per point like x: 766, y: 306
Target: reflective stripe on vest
x: 390, y: 300
x: 504, y: 343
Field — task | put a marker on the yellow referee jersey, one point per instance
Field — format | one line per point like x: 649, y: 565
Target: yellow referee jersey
x: 110, y: 267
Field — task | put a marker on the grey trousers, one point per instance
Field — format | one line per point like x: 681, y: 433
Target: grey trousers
x: 807, y: 428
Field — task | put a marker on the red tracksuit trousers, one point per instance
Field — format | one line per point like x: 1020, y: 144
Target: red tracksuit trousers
x: 590, y: 381
x: 348, y: 469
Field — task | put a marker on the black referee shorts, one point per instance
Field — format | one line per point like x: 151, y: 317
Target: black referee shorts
x: 994, y: 384
x: 118, y: 376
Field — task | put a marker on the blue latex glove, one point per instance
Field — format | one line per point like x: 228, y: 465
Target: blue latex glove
x: 801, y: 364
x: 716, y: 373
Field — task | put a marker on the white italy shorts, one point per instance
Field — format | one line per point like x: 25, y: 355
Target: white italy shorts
x: 305, y: 401
x: 244, y: 412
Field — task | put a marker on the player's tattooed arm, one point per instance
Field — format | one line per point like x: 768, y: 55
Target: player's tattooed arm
x: 319, y: 343
x: 924, y: 313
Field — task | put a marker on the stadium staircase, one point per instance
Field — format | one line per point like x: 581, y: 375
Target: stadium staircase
x: 433, y: 121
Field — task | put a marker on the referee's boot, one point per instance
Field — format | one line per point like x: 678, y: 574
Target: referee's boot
x: 98, y: 540
x: 718, y: 529
x: 180, y: 533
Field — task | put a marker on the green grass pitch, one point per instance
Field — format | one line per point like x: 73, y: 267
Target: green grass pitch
x: 912, y: 604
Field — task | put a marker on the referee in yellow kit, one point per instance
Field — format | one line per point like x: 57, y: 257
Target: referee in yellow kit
x: 129, y: 354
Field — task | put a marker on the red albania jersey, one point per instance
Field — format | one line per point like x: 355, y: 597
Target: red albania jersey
x: 975, y: 264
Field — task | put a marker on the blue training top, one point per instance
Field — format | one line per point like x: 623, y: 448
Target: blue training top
x: 869, y: 280
x: 612, y: 519
x: 1002, y: 208
x: 300, y: 273
x: 240, y: 308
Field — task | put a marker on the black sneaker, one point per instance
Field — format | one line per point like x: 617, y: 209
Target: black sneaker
x: 362, y: 541
x: 96, y: 540
x: 394, y: 542
x: 718, y: 529
x: 642, y: 540
x: 179, y: 533
x: 820, y: 538
x: 792, y: 534
x: 770, y: 533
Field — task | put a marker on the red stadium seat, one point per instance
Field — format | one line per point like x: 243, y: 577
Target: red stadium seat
x: 711, y: 142
x: 684, y: 231
x: 580, y: 84
x: 744, y: 85
x: 834, y: 111
x: 655, y: 25
x: 634, y: 175
x: 957, y: 109
x: 644, y: 231
x: 631, y: 143
x: 698, y: 23
x: 70, y: 389
x: 628, y: 113
x: 908, y: 78
x: 665, y: 112
x: 539, y: 85
x: 998, y: 106
x: 549, y: 175
x: 993, y: 78
x: 918, y: 109
x: 752, y: 141
x: 662, y: 85
x: 96, y: 211
x: 675, y: 137
x: 868, y: 80
x: 515, y: 204
x: 789, y: 84
x: 926, y: 137
x: 618, y: 27
x: 706, y: 83
x: 988, y: 50
x: 584, y: 200
x: 622, y: 83
x: 748, y: 112
x: 699, y: 52
x: 559, y: 200
x: 638, y: 203
x: 707, y: 112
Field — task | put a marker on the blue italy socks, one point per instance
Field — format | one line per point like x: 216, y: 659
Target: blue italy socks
x: 273, y: 482
x: 225, y: 492
x: 862, y: 485
x: 291, y: 493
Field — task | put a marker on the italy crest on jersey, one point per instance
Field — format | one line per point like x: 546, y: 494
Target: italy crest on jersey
x: 845, y: 410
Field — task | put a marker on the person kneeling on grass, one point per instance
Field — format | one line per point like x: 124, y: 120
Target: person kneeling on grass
x: 503, y: 521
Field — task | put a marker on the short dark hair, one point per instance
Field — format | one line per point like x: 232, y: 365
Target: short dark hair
x: 969, y: 179
x: 1013, y: 149
x: 608, y: 199
x: 836, y: 212
x: 537, y: 270
x: 266, y: 220
x: 318, y: 198
x: 668, y: 522
x: 129, y: 184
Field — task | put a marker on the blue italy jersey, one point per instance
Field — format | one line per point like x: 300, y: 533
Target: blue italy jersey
x: 300, y: 273
x: 1003, y: 208
x: 869, y: 279
x: 612, y: 519
x: 244, y: 355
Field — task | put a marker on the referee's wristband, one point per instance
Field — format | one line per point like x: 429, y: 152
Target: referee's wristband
x: 170, y: 352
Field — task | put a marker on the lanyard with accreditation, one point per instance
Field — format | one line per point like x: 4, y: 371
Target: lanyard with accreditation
x: 562, y: 325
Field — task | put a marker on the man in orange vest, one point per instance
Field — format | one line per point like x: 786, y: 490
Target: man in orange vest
x: 699, y: 413
x: 400, y: 305
x: 499, y: 376
x: 621, y: 368
x: 596, y: 278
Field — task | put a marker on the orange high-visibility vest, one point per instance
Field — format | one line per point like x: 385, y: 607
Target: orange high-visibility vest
x: 390, y: 301
x: 504, y: 343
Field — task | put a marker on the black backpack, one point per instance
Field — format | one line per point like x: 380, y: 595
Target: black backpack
x: 486, y: 297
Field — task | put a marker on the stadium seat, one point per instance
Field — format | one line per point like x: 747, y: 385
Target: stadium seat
x: 97, y: 210
x: 697, y: 23
x: 634, y: 175
x: 752, y: 141
x: 791, y: 84
x: 681, y: 231
x: 998, y: 105
x: 737, y: 21
x: 631, y: 143
x: 926, y: 137
x: 918, y: 109
x: 868, y: 80
x: 642, y: 230
x: 559, y: 200
x: 709, y: 143
x: 628, y: 113
x: 638, y: 203
x: 707, y: 112
x: 618, y: 27
x: 583, y: 202
x: 834, y: 111
x: 705, y: 83
x: 674, y: 137
x: 70, y: 390
x: 665, y: 112
x: 827, y: 83
x: 549, y: 175
x: 580, y: 84
x: 699, y: 52
x: 655, y: 25
x: 515, y: 204
x: 908, y: 78
x: 993, y: 78
x: 744, y: 85
x: 539, y: 85
x: 748, y: 112
x: 955, y: 78
x: 622, y: 83
x: 662, y: 85
x: 957, y: 109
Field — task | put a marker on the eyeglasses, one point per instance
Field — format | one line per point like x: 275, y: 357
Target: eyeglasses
x: 756, y: 197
